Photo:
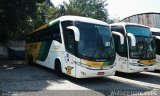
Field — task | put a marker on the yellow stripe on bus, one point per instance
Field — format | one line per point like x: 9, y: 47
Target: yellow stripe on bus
x: 147, y: 62
x: 40, y: 28
x: 93, y: 64
x: 33, y: 48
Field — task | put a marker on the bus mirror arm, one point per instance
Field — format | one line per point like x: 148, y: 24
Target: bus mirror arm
x: 120, y: 35
x: 157, y: 37
x: 133, y: 39
x: 76, y: 32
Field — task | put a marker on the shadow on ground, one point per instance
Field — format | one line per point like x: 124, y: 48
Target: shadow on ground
x: 28, y: 78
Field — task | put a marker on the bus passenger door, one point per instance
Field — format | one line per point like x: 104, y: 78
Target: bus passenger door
x: 70, y: 57
x: 157, y: 41
x: 121, y: 50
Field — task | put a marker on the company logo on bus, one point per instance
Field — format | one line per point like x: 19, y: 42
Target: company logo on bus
x: 69, y: 69
x: 92, y: 64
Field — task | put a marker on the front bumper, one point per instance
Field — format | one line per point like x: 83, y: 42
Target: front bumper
x: 82, y: 72
x: 134, y: 69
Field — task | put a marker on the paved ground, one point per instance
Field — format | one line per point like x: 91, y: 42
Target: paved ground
x: 18, y: 79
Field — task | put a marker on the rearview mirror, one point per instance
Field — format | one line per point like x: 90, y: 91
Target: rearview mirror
x: 120, y: 35
x: 133, y: 39
x: 76, y: 32
x: 157, y: 37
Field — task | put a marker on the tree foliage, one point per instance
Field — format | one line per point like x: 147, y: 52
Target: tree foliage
x: 88, y: 8
x: 16, y: 17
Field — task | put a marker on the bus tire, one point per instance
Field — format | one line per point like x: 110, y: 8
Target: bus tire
x: 30, y: 59
x: 58, y: 68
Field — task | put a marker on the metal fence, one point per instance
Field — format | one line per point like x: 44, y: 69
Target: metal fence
x: 148, y: 19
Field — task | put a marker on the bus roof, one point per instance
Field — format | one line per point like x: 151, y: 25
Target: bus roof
x: 39, y: 28
x: 71, y: 18
x: 78, y: 18
x: 127, y: 23
x: 155, y: 29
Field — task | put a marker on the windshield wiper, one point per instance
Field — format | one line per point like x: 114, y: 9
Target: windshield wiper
x: 146, y: 51
x: 139, y: 49
x: 101, y: 44
x: 149, y: 51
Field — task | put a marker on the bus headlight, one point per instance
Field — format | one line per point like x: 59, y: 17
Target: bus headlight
x: 134, y: 64
x: 83, y: 65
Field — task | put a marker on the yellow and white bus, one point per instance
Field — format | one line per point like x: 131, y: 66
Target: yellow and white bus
x: 156, y: 36
x: 78, y: 46
x: 135, y: 47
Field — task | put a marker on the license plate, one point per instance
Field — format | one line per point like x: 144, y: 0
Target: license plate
x: 100, y: 73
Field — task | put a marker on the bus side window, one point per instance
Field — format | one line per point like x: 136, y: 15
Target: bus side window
x: 56, y: 33
x: 157, y: 42
x: 70, y: 41
x: 55, y: 30
x: 157, y: 46
x: 68, y: 36
x: 49, y: 34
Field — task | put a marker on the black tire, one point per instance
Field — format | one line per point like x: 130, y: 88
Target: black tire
x: 30, y: 59
x: 58, y: 68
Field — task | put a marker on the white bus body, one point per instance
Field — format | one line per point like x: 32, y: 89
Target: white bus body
x: 137, y: 53
x: 80, y: 47
x: 156, y: 36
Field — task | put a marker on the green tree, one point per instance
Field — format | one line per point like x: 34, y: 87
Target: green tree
x: 114, y: 20
x: 88, y: 8
x: 44, y: 14
x: 17, y: 17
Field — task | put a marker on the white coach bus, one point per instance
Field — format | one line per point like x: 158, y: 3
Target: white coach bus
x: 134, y: 46
x: 77, y: 46
x: 156, y: 36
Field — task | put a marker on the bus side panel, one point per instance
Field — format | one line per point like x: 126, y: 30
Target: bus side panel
x: 68, y: 61
x: 158, y: 62
x: 121, y: 63
x: 50, y: 60
x: 44, y: 50
x: 48, y: 52
x: 32, y: 49
x: 56, y: 51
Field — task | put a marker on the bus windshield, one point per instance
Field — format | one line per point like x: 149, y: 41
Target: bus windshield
x: 145, y: 45
x: 138, y: 30
x: 96, y: 42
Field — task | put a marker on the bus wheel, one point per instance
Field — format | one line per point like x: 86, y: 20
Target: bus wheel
x: 58, y: 68
x: 30, y: 59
